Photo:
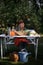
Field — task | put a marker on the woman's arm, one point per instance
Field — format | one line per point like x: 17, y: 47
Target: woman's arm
x: 20, y: 32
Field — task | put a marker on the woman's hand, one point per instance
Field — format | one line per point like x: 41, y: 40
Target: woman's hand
x: 20, y: 32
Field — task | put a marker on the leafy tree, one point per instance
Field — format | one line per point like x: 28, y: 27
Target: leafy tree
x: 13, y: 10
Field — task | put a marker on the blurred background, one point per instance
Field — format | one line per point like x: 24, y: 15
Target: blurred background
x: 31, y: 11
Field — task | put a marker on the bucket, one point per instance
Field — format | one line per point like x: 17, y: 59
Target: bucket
x: 24, y: 56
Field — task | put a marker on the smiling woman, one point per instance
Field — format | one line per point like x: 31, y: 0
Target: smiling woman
x: 21, y: 42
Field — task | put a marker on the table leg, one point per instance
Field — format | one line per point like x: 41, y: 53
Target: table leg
x: 1, y: 49
x: 36, y: 49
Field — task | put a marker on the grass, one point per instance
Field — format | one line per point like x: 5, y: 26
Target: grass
x: 30, y: 62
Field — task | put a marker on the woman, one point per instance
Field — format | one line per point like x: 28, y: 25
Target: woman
x: 20, y: 30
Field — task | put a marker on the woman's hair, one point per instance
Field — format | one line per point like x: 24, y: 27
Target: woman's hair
x: 20, y: 21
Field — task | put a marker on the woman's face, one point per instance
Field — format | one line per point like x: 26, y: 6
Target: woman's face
x: 21, y: 25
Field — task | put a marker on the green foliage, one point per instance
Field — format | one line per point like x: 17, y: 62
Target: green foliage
x: 13, y: 10
x: 35, y: 22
